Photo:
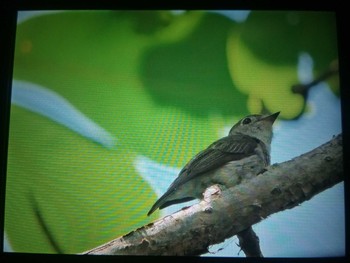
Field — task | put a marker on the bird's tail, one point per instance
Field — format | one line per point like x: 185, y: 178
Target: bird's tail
x: 157, y: 204
x: 162, y: 202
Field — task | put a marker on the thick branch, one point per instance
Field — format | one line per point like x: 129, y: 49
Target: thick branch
x: 223, y: 214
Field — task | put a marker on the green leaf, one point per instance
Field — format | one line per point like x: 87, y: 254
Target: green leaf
x: 66, y: 194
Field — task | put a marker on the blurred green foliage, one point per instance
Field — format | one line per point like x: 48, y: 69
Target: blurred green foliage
x: 192, y: 74
x: 165, y: 85
x: 263, y: 56
x: 65, y: 194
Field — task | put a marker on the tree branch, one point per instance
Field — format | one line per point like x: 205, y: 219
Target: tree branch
x: 222, y: 214
x: 332, y: 70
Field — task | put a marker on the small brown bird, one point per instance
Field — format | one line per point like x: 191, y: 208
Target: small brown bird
x: 241, y: 155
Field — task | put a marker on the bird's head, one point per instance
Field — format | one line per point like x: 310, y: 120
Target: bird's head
x: 257, y: 126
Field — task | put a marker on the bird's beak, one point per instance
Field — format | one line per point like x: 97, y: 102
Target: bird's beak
x: 271, y: 118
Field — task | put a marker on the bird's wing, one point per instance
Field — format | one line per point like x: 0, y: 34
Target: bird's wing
x: 224, y: 150
x: 227, y: 149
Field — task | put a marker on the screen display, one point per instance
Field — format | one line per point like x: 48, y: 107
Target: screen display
x: 107, y: 107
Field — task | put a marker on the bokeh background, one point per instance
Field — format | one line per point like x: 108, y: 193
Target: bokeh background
x: 108, y: 106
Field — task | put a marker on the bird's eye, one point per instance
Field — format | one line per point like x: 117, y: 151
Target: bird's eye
x: 246, y: 121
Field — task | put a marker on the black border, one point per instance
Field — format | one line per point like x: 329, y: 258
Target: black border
x: 8, y: 16
x: 310, y: 5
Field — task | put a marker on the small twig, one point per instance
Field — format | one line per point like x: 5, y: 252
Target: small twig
x: 304, y: 88
x: 249, y: 243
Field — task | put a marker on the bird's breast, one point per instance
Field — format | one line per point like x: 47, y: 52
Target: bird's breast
x: 234, y: 172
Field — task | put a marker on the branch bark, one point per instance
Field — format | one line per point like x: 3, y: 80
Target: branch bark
x: 222, y: 214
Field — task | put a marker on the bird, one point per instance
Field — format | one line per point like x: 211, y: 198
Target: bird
x: 241, y: 155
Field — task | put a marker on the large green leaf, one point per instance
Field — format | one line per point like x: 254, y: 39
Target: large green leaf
x: 66, y: 194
